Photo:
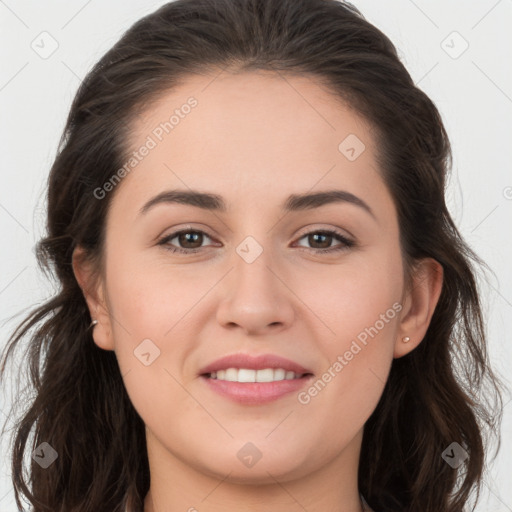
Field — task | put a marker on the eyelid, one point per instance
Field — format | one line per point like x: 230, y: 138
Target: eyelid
x: 335, y: 232
x: 163, y: 239
x: 304, y: 231
x: 307, y: 230
x: 177, y: 230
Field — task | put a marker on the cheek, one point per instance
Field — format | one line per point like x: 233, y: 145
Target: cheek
x: 147, y: 310
x: 150, y: 298
x: 345, y: 394
x: 340, y: 302
x: 352, y: 298
x: 362, y: 311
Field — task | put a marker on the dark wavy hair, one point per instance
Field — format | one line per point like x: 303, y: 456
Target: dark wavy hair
x: 442, y: 392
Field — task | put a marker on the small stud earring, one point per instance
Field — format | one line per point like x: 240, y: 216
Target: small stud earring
x: 93, y: 323
x: 406, y: 339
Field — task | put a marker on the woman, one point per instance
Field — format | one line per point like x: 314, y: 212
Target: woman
x: 253, y: 369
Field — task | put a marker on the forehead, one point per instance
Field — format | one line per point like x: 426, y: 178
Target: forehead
x: 260, y: 133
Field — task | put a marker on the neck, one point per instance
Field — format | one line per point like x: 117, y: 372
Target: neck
x: 182, y: 487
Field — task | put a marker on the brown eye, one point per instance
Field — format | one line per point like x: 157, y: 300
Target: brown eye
x: 188, y: 241
x: 190, y: 237
x: 320, y: 238
x: 321, y: 241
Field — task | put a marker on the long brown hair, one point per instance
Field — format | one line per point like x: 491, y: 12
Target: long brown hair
x: 442, y: 392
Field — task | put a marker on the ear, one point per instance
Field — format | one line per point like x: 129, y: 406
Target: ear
x: 420, y: 301
x: 93, y: 289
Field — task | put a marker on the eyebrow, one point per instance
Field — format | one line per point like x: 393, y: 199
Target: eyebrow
x: 294, y: 202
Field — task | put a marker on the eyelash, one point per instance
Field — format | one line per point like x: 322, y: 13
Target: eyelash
x: 347, y: 244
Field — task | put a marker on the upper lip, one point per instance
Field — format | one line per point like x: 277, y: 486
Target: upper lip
x: 254, y: 362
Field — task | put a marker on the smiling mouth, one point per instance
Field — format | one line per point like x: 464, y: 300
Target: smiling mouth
x: 244, y: 375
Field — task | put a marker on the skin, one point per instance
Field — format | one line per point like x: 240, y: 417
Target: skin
x: 254, y: 138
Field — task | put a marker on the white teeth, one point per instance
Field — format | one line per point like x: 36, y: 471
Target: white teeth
x: 248, y: 375
x: 279, y: 374
x: 231, y: 374
x: 266, y: 375
x: 244, y: 375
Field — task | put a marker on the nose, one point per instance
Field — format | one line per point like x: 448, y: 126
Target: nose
x: 256, y: 297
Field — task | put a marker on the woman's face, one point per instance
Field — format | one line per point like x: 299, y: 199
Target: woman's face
x: 254, y: 278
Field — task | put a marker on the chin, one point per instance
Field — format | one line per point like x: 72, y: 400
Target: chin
x: 247, y: 465
x: 260, y: 474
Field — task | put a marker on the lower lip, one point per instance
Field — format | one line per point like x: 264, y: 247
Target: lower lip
x: 256, y: 392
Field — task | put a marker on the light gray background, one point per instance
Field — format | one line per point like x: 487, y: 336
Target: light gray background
x: 473, y: 91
